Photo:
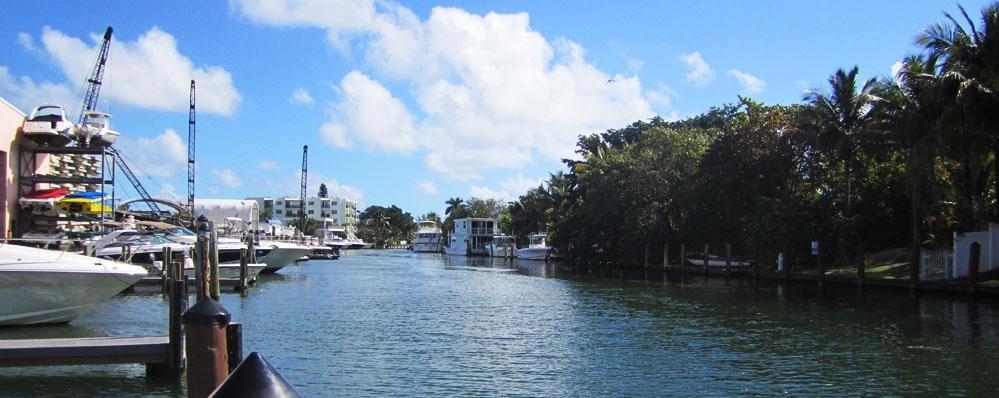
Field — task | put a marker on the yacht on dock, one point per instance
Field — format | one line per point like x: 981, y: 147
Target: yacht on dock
x: 428, y: 237
x: 536, y: 250
x: 503, y: 246
x: 471, y: 237
x: 146, y: 248
x: 48, y: 125
x: 45, y: 286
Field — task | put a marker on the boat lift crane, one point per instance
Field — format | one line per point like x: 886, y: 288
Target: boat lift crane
x: 90, y: 103
x: 190, y: 154
x: 305, y: 178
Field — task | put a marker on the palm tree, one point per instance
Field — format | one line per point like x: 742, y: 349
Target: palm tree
x: 842, y: 117
x: 970, y: 61
x: 908, y: 109
x: 454, y: 205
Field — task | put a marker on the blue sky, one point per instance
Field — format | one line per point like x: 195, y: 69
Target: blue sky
x: 412, y: 103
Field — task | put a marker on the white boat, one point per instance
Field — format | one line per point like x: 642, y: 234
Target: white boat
x: 96, y: 129
x: 48, y: 125
x: 146, y: 248
x: 46, y: 286
x: 502, y: 246
x: 536, y: 250
x: 282, y: 254
x: 471, y: 237
x: 697, y: 260
x: 428, y: 237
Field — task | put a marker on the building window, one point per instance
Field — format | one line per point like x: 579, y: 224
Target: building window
x: 334, y: 211
x: 312, y: 203
x: 279, y: 203
x: 278, y: 211
x: 312, y: 211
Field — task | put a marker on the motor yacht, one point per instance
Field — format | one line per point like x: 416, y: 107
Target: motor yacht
x: 96, y: 129
x: 146, y: 248
x: 502, y: 246
x: 536, y: 250
x: 428, y: 237
x: 44, y: 286
x: 48, y: 125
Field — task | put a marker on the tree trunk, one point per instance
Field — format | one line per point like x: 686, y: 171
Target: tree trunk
x: 916, y: 219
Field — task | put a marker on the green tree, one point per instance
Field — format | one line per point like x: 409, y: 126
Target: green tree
x: 323, y: 193
x: 841, y: 119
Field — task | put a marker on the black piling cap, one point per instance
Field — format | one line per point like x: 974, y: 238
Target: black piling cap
x: 202, y: 223
x: 206, y: 311
x: 255, y: 378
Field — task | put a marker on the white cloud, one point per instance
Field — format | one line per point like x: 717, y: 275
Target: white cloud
x: 369, y: 113
x: 169, y: 191
x: 159, y: 156
x: 488, y: 91
x: 291, y: 184
x: 662, y: 99
x: 228, y: 177
x: 509, y: 190
x: 700, y: 72
x: 301, y: 96
x: 268, y: 165
x: 152, y: 62
x: 26, y: 41
x: 750, y: 83
x: 427, y: 187
x: 27, y: 94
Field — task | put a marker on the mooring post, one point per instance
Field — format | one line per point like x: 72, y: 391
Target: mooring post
x: 728, y: 261
x: 207, y: 354
x: 707, y: 253
x: 861, y: 263
x: 665, y: 262
x: 683, y: 261
x: 254, y: 377
x: 973, y: 262
x: 201, y: 267
x: 821, y: 269
x: 178, y: 305
x: 234, y: 345
x: 213, y: 257
x: 250, y: 249
x: 165, y: 269
x: 242, y: 272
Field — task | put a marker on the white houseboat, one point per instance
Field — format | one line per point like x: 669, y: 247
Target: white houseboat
x: 428, y: 237
x: 471, y: 237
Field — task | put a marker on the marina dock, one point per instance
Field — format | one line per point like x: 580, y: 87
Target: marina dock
x: 82, y: 351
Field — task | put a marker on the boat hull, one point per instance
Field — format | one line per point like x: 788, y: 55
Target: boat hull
x: 533, y: 253
x: 46, y: 286
x: 425, y: 247
x: 280, y: 257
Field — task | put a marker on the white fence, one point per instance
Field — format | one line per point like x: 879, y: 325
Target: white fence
x: 936, y: 265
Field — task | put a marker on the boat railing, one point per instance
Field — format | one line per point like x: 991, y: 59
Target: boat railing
x: 484, y: 231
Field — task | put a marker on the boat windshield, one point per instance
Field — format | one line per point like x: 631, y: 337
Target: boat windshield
x: 179, y: 231
x: 139, y: 239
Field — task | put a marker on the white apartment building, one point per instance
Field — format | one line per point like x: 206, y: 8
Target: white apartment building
x: 335, y: 212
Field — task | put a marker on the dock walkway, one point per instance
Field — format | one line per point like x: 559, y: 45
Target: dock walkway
x: 80, y: 351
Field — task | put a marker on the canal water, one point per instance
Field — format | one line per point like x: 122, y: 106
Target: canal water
x: 395, y: 323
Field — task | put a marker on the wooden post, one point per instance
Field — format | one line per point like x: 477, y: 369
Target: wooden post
x: 201, y: 268
x: 707, y: 252
x: 973, y: 263
x: 665, y: 262
x: 861, y: 264
x: 683, y: 261
x: 728, y: 261
x: 242, y: 272
x: 178, y: 305
x: 165, y: 271
x: 645, y: 264
x: 820, y: 267
x: 213, y: 256
x: 207, y: 353
x: 234, y: 344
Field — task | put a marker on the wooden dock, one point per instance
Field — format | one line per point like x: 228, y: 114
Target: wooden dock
x: 81, y: 351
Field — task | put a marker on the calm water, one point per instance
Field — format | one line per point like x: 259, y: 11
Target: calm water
x: 393, y: 323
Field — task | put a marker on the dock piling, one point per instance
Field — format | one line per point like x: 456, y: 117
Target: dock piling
x: 707, y: 253
x: 234, y: 345
x: 207, y: 354
x: 242, y: 271
x: 213, y: 258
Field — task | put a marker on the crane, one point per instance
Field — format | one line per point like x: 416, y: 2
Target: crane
x: 90, y: 103
x: 96, y: 78
x: 190, y: 154
x: 305, y: 178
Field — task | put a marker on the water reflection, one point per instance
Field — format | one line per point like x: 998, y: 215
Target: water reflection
x: 395, y: 323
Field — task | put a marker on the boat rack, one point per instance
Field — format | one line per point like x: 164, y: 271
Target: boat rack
x: 71, y: 173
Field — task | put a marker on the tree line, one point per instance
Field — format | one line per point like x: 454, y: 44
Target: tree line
x: 860, y: 166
